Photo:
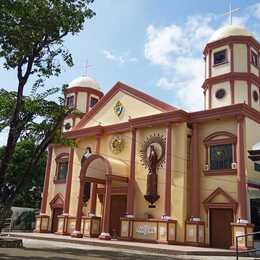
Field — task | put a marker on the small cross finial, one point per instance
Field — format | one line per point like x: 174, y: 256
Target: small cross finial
x: 230, y: 12
x: 85, y: 68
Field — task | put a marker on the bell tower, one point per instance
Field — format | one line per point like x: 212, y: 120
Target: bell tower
x: 232, y: 73
x: 82, y: 94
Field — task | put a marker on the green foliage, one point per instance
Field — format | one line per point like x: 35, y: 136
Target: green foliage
x: 32, y: 32
x: 30, y: 193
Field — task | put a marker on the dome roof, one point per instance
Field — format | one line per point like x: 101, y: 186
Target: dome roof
x: 229, y: 30
x: 84, y: 81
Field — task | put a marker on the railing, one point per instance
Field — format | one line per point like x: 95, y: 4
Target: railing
x: 245, y: 251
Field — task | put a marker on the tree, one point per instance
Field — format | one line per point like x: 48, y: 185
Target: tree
x: 31, y: 41
x: 42, y: 122
x: 30, y: 193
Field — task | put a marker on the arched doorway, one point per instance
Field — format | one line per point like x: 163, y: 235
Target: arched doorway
x: 102, y: 171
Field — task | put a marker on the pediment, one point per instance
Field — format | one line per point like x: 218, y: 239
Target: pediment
x: 121, y: 103
x: 219, y: 196
x: 57, y: 201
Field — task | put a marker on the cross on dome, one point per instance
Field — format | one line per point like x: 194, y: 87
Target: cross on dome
x: 86, y: 66
x: 230, y: 12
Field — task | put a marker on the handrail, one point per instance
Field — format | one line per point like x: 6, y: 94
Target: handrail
x: 246, y: 251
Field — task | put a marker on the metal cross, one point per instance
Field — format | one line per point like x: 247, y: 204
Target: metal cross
x: 230, y: 12
x: 85, y: 68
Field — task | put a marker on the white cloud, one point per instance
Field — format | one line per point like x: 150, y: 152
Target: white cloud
x: 118, y: 58
x: 255, y: 10
x: 178, y: 50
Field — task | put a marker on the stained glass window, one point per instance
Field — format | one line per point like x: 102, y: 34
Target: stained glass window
x: 221, y: 157
x: 62, y: 169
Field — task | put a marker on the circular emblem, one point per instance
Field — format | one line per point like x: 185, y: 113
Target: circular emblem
x: 118, y: 108
x: 158, y: 143
x: 117, y: 144
x: 220, y: 93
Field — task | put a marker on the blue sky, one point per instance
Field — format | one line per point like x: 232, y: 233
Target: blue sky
x: 155, y: 46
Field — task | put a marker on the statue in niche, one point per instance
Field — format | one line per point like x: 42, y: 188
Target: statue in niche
x: 85, y: 156
x: 152, y: 158
x: 151, y: 187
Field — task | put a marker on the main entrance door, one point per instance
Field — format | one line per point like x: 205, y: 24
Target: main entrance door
x: 220, y: 228
x: 56, y: 212
x: 117, y: 210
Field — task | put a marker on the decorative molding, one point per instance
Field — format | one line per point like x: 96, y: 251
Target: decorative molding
x: 57, y: 201
x: 85, y: 90
x: 208, y: 202
x: 130, y: 91
x: 232, y: 40
x: 46, y: 180
x: 244, y: 76
x: 230, y: 138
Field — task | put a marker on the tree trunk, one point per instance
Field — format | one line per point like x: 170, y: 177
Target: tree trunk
x: 13, y: 135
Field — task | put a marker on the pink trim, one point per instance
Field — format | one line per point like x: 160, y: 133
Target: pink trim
x: 131, y: 184
x: 232, y: 39
x: 53, y: 203
x: 231, y: 76
x: 195, y: 173
x: 85, y: 90
x: 46, y: 181
x: 69, y: 180
x: 241, y: 177
x: 130, y: 91
x: 168, y: 169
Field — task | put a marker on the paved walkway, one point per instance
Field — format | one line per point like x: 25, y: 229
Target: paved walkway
x: 35, y: 249
x: 154, y: 248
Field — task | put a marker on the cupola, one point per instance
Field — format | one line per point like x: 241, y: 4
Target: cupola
x: 83, y: 93
x: 231, y: 68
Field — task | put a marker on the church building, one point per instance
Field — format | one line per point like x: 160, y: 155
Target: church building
x: 143, y: 170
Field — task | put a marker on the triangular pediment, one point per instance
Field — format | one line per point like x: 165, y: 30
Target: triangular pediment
x: 121, y: 103
x: 57, y: 201
x: 219, y: 196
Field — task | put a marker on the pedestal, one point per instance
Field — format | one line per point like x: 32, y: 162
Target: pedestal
x: 42, y: 224
x: 63, y: 221
x: 241, y: 229
x: 91, y: 226
x: 149, y: 230
x: 195, y: 233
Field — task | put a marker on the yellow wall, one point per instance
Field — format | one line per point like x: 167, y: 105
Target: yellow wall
x: 226, y: 100
x: 132, y: 108
x: 55, y: 188
x: 210, y: 183
x: 240, y: 58
x: 241, y: 92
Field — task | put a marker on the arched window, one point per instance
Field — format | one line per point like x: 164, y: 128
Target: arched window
x: 62, y: 161
x: 220, y: 150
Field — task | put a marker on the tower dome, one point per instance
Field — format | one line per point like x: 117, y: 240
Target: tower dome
x: 229, y: 30
x: 232, y: 68
x: 84, y: 81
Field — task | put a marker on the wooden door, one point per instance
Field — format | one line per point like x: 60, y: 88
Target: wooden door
x: 55, y: 213
x: 220, y: 228
x: 117, y: 210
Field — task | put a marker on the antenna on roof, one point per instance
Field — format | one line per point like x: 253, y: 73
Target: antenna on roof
x: 230, y: 12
